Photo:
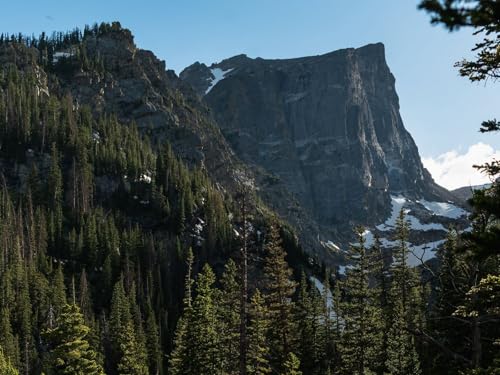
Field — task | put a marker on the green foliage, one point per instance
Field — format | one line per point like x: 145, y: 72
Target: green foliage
x: 292, y: 365
x: 71, y: 353
x: 258, y: 349
x: 229, y: 309
x: 484, y: 18
x: 361, y: 340
x: 402, y: 356
x: 5, y: 367
x: 203, y: 325
x: 280, y: 288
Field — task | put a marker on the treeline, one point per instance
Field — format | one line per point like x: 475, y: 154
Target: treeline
x: 62, y: 47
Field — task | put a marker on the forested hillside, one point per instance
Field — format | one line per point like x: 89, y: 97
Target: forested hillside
x: 123, y: 251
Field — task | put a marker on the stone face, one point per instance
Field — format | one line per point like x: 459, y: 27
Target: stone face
x: 137, y: 87
x: 326, y: 127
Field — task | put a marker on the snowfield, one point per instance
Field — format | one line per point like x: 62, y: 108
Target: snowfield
x: 443, y: 209
x: 421, y: 253
x: 219, y: 75
x: 398, y: 203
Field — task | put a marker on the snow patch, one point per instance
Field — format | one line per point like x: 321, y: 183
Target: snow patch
x: 330, y: 245
x: 321, y: 288
x: 145, y: 177
x: 422, y: 253
x: 398, y: 203
x: 417, y: 225
x: 443, y: 209
x: 61, y: 55
x: 417, y: 254
x: 96, y: 136
x: 219, y: 75
x: 343, y: 269
x: 295, y: 97
x: 369, y: 238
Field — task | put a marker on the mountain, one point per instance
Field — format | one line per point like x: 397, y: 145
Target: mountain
x: 466, y: 192
x: 157, y: 224
x: 319, y: 139
x: 112, y: 173
x: 327, y: 129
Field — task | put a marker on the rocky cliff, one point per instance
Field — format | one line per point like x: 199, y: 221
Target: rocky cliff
x: 137, y: 87
x: 325, y: 128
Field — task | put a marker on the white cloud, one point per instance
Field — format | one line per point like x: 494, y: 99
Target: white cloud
x: 453, y: 170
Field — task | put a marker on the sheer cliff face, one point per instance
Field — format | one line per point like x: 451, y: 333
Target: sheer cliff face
x: 328, y: 127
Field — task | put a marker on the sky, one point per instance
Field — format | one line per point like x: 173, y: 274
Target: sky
x: 440, y: 109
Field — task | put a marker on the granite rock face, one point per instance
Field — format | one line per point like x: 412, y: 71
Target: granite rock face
x: 137, y: 87
x: 327, y: 128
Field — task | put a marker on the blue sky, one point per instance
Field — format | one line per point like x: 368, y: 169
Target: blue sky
x: 440, y: 109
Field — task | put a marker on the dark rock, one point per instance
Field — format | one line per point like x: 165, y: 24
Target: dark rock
x: 326, y: 128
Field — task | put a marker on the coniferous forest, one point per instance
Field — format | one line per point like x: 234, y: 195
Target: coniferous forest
x: 119, y: 257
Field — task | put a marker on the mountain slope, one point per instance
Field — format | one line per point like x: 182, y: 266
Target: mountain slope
x: 325, y: 128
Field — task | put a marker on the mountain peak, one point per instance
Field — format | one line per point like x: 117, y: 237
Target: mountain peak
x: 326, y: 128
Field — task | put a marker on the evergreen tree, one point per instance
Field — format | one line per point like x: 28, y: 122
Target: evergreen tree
x: 5, y: 367
x: 153, y: 344
x: 180, y: 359
x: 71, y: 353
x: 8, y: 341
x: 58, y: 295
x: 361, y: 340
x: 131, y: 357
x: 292, y: 365
x: 280, y: 288
x: 126, y: 352
x: 258, y: 347
x: 402, y: 357
x: 204, y: 324
x: 309, y: 317
x: 84, y: 297
x: 229, y: 318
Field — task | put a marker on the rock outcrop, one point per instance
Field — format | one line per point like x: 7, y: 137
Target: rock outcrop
x: 137, y: 87
x: 325, y: 128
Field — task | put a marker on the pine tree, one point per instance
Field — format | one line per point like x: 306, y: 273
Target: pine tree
x: 131, y: 359
x: 292, y: 365
x: 8, y: 341
x: 84, y: 297
x: 71, y: 353
x: 258, y: 347
x: 5, y: 367
x: 280, y: 289
x: 140, y: 336
x: 229, y: 318
x: 402, y: 357
x: 330, y: 319
x: 180, y: 361
x: 58, y: 297
x: 361, y: 340
x: 153, y: 345
x: 310, y: 328
x: 381, y: 291
x: 204, y: 323
x: 55, y: 197
x: 126, y: 352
